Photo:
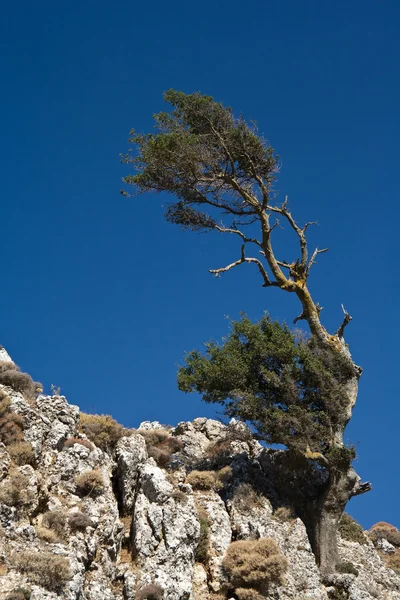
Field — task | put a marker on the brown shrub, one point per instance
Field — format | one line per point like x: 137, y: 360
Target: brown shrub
x: 102, y: 430
x: 48, y: 535
x: 246, y: 498
x: 350, y: 530
x: 19, y: 594
x: 14, y: 491
x: 161, y: 456
x: 11, y: 376
x: 224, y: 475
x: 382, y: 525
x: 73, y: 440
x: 79, y: 521
x: 202, y: 480
x: 392, y: 535
x: 22, y: 453
x: 392, y: 561
x: 90, y: 483
x: 254, y: 564
x: 11, y: 424
x: 248, y: 594
x: 151, y: 592
x: 43, y: 568
x: 55, y: 520
x: 179, y: 496
x: 153, y: 436
x: 284, y: 514
x: 160, y: 444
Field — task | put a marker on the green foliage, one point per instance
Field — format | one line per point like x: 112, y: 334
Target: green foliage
x: 290, y: 389
x: 196, y: 151
x: 203, y: 546
x: 350, y: 530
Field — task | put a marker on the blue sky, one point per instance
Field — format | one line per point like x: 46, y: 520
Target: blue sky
x: 101, y: 296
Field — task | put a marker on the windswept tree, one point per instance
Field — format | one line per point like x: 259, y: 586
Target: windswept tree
x: 299, y: 393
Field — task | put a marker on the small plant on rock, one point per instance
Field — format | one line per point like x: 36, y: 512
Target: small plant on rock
x: 43, y: 568
x: 82, y: 442
x: 253, y: 566
x: 22, y: 453
x: 14, y: 491
x: 151, y: 592
x: 102, y: 430
x: 79, y: 521
x: 90, y: 483
x: 202, y: 550
x: 160, y: 444
x: 19, y: 594
x: 55, y: 520
x: 347, y: 567
x: 202, y: 480
x: 11, y: 376
x: 350, y: 530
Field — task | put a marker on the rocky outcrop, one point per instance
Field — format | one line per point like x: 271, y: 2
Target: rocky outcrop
x: 82, y: 523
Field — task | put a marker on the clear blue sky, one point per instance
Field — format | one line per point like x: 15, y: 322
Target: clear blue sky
x: 99, y: 294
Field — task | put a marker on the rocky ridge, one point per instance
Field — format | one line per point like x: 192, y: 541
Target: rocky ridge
x: 136, y: 528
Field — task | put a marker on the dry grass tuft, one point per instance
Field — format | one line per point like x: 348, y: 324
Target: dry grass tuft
x: 90, y: 483
x: 102, y: 430
x: 19, y: 594
x: 202, y: 480
x: 79, y: 521
x: 254, y: 565
x: 284, y: 514
x: 55, y: 520
x: 22, y: 453
x: 73, y: 440
x: 43, y: 568
x: 14, y: 491
x: 11, y: 376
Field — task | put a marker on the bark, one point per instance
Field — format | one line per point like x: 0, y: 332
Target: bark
x: 324, y: 518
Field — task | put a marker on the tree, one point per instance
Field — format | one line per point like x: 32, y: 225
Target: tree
x: 297, y: 393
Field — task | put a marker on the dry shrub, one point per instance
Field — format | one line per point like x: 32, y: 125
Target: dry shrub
x: 125, y: 556
x: 203, y: 545
x: 248, y: 594
x: 160, y: 445
x: 90, y: 483
x: 153, y: 437
x: 73, y: 440
x: 19, y: 594
x: 14, y: 491
x: 11, y: 376
x: 385, y: 531
x: 102, y: 430
x: 246, y: 498
x: 22, y: 453
x: 392, y: 561
x: 224, y: 475
x: 55, y: 520
x: 254, y: 564
x: 202, y: 480
x: 43, y: 568
x: 79, y: 521
x: 350, y: 530
x: 284, y: 514
x: 179, y: 496
x: 47, y: 535
x: 11, y: 424
x: 347, y: 567
x: 151, y: 592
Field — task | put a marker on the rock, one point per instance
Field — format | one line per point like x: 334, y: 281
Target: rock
x: 130, y: 452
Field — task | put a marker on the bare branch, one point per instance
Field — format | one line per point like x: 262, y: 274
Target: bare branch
x: 264, y: 274
x: 299, y: 318
x: 346, y: 321
x: 237, y: 232
x: 314, y: 256
x: 300, y: 232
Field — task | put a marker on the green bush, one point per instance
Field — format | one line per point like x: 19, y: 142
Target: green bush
x: 350, y: 530
x: 43, y: 568
x: 203, y: 545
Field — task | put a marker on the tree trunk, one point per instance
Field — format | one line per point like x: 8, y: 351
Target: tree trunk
x: 324, y: 515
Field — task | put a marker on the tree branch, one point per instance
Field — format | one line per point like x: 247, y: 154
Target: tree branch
x: 242, y: 259
x: 237, y: 232
x: 314, y: 256
x: 300, y: 231
x: 346, y: 321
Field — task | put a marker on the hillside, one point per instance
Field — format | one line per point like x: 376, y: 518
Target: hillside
x: 92, y: 511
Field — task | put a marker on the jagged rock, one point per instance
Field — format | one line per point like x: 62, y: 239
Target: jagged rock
x: 111, y: 560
